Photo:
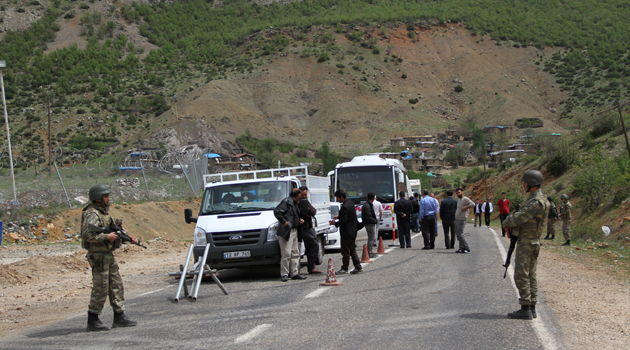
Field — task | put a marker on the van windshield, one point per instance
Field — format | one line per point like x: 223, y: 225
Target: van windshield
x: 243, y: 197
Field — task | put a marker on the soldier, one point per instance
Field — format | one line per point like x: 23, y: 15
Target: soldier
x: 527, y: 225
x: 566, y: 216
x: 551, y: 220
x: 105, y: 276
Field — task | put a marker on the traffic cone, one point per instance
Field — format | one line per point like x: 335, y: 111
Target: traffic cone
x: 365, y: 257
x: 394, y: 239
x: 331, y: 279
x: 381, y: 248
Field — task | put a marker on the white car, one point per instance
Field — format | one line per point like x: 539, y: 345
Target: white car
x: 333, y: 239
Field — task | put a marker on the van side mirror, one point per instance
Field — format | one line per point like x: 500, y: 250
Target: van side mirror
x: 188, y: 216
x: 401, y: 178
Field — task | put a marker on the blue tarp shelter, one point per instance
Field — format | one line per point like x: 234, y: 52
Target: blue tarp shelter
x: 212, y: 155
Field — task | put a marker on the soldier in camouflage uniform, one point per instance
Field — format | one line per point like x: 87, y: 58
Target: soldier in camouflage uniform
x: 551, y: 220
x: 527, y: 224
x: 105, y: 276
x: 566, y: 216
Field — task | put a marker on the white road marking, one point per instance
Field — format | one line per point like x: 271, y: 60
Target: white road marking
x: 547, y: 340
x: 251, y: 334
x: 151, y: 292
x: 314, y: 294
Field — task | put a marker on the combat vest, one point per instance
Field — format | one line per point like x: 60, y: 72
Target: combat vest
x: 103, y: 221
x: 533, y: 228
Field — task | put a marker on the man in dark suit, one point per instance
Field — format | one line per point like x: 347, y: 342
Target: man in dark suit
x: 288, y: 217
x: 307, y: 232
x: 447, y: 214
x: 348, y: 227
x: 403, y: 209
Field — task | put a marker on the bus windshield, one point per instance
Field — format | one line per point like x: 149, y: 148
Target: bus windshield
x: 252, y: 196
x: 359, y: 181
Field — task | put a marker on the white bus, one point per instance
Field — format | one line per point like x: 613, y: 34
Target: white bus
x: 371, y: 173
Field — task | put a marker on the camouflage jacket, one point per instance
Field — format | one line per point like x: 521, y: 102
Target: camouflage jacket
x: 528, y: 222
x: 566, y: 214
x: 92, y: 241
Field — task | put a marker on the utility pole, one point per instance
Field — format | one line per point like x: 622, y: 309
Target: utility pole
x: 179, y: 132
x: 3, y: 64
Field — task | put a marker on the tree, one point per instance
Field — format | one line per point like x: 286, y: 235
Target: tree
x: 329, y: 158
x: 456, y: 153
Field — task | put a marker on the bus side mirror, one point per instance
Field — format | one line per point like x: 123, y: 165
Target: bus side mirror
x: 401, y: 178
x: 188, y: 216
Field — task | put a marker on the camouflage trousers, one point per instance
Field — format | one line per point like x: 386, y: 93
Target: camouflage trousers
x: 106, y: 281
x: 551, y: 228
x: 525, y: 270
x: 566, y: 229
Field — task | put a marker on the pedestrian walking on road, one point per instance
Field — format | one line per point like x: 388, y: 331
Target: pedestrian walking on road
x: 368, y: 217
x: 403, y: 209
x: 106, y: 280
x: 289, y: 220
x: 447, y: 214
x: 428, y: 210
x: 415, y: 219
x: 504, y: 210
x: 348, y: 227
x: 307, y: 232
x: 461, y: 215
x: 527, y: 226
x: 566, y: 214
x: 551, y: 220
x: 486, y: 208
x: 478, y: 212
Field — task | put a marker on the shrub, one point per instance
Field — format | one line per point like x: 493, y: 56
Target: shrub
x: 404, y: 76
x: 376, y: 51
x: 459, y: 88
x: 84, y: 6
x: 323, y: 57
x: 80, y: 111
x: 21, y: 10
x: 69, y: 15
x: 413, y: 100
x: 557, y: 165
x: 340, y: 66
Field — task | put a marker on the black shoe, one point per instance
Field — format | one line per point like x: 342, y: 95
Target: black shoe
x: 532, y: 308
x: 408, y: 246
x: 459, y: 251
x: 342, y: 272
x: 284, y: 278
x: 121, y: 320
x: 402, y: 246
x: 298, y: 277
x: 552, y: 238
x: 94, y: 324
x: 466, y: 251
x: 546, y: 237
x: 432, y: 247
x: 524, y: 313
x: 568, y: 242
x: 425, y: 248
x: 372, y: 255
x: 356, y: 270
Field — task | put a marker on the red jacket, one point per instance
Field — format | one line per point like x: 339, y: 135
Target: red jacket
x: 504, y: 206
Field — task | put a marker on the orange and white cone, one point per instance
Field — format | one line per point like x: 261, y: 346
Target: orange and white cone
x: 381, y: 248
x: 331, y: 279
x: 365, y: 257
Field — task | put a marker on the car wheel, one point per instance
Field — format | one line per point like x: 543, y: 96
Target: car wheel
x: 320, y: 250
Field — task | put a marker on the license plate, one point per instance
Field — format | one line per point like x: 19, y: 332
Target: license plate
x: 236, y: 255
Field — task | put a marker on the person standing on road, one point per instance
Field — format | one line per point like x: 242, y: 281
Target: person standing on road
x: 288, y: 216
x: 461, y: 214
x: 415, y: 219
x: 368, y: 217
x: 478, y: 213
x: 504, y: 210
x: 437, y: 205
x: 307, y: 232
x: 527, y: 226
x: 447, y: 214
x: 428, y: 209
x: 551, y: 220
x: 403, y: 209
x: 566, y: 215
x: 486, y: 208
x: 106, y: 278
x: 378, y: 212
x: 348, y: 227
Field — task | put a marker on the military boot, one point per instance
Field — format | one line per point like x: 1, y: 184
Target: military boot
x: 94, y: 324
x: 568, y: 242
x: 121, y: 320
x: 532, y: 308
x: 525, y: 313
x: 547, y: 236
x: 553, y: 237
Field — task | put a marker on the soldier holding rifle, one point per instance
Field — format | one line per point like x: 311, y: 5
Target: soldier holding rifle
x: 106, y: 279
x: 526, y: 225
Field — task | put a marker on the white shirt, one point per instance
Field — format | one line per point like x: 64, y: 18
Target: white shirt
x: 483, y: 207
x: 378, y: 209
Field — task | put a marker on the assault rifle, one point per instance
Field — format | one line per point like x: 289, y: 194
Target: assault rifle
x: 513, y: 240
x: 119, y: 231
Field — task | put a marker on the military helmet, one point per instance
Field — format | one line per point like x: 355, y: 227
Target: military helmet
x: 98, y: 191
x: 533, y: 178
x: 564, y: 196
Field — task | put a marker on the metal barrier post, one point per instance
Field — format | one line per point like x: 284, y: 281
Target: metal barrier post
x: 182, y: 279
x: 202, y: 264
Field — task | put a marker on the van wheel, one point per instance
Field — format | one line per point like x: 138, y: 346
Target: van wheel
x: 320, y: 250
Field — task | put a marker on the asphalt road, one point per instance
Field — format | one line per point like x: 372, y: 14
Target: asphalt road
x: 407, y: 299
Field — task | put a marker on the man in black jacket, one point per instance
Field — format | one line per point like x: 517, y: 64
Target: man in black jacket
x: 447, y: 214
x: 289, y: 219
x: 307, y: 232
x: 403, y: 209
x: 371, y: 223
x: 348, y: 227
